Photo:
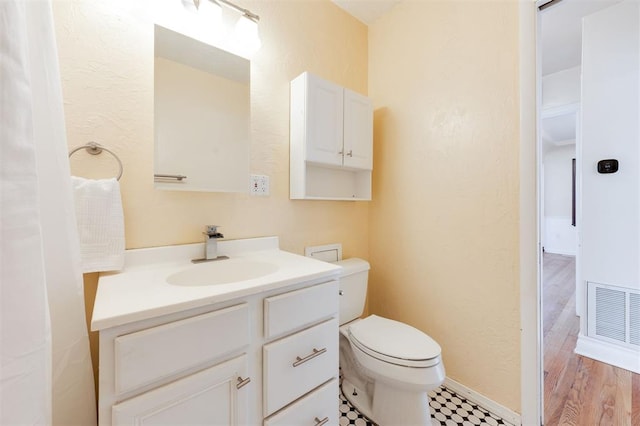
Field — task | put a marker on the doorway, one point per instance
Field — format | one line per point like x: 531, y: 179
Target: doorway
x: 576, y: 389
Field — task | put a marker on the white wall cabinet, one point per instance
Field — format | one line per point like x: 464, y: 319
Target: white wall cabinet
x: 331, y: 152
x: 234, y: 363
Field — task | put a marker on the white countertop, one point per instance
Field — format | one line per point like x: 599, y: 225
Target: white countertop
x: 140, y: 291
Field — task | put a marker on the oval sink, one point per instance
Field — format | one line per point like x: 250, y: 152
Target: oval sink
x: 221, y: 272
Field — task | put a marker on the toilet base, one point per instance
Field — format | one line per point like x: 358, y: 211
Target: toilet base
x: 356, y: 397
x: 392, y: 406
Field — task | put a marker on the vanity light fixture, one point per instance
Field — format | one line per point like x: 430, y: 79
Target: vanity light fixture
x: 246, y: 29
x: 245, y: 12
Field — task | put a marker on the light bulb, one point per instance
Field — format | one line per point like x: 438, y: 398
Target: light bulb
x: 246, y: 34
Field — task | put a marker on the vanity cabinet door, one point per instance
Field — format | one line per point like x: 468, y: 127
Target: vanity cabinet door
x: 215, y: 396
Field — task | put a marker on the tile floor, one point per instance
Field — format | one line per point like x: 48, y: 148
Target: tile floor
x: 447, y: 409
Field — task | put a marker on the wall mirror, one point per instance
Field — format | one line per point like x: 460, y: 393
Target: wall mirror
x: 201, y: 115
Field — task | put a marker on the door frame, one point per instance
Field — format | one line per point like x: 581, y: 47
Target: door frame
x: 531, y: 371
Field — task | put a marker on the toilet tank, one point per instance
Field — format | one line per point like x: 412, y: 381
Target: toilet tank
x: 353, y: 288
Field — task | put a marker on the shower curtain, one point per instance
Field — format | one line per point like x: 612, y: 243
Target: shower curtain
x: 45, y: 366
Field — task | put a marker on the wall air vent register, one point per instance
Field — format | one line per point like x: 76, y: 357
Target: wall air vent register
x: 614, y: 314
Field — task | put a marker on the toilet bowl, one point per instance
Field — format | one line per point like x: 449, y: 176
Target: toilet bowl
x: 387, y: 367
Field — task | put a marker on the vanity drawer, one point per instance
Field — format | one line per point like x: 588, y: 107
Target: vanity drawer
x: 293, y: 310
x: 319, y: 407
x: 299, y: 363
x: 157, y: 353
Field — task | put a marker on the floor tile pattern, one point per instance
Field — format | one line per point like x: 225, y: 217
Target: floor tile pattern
x: 447, y: 409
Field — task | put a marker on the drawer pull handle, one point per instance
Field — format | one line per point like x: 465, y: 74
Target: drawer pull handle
x: 242, y: 382
x: 315, y: 353
x: 321, y: 422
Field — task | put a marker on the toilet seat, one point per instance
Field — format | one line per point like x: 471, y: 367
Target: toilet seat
x: 394, y: 342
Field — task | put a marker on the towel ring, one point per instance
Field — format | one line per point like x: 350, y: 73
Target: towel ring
x: 94, y: 148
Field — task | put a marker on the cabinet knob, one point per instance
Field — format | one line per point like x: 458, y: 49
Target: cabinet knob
x: 350, y: 153
x: 321, y: 422
x: 242, y: 382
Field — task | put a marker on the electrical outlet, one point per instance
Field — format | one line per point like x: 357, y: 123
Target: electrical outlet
x: 259, y: 185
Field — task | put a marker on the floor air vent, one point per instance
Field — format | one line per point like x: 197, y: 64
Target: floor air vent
x: 614, y: 313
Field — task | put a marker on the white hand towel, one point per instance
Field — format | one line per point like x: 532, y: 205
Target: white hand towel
x: 100, y: 223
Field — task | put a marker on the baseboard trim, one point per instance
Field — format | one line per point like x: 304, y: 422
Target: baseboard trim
x: 489, y: 404
x: 625, y: 358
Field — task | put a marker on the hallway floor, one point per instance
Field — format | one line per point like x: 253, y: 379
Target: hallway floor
x: 579, y: 391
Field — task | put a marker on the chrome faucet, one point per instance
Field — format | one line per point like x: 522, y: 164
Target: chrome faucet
x: 211, y: 236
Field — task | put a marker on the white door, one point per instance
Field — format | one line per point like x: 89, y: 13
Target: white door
x: 215, y: 396
x: 358, y: 131
x: 324, y: 121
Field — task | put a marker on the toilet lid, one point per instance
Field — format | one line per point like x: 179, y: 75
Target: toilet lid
x: 393, y: 339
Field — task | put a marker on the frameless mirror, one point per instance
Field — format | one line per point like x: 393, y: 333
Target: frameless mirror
x: 201, y: 115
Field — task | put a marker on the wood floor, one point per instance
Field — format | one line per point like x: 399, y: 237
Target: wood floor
x: 577, y: 390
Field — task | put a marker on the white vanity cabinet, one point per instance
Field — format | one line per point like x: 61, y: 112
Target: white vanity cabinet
x: 331, y: 138
x: 259, y: 349
x: 269, y: 357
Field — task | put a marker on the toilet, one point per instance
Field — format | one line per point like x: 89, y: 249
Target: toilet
x: 387, y: 366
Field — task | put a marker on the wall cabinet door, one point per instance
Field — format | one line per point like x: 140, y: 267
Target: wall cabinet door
x: 213, y: 396
x: 324, y: 112
x: 358, y: 131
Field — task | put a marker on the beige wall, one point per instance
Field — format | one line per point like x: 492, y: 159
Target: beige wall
x: 106, y: 62
x: 444, y: 221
